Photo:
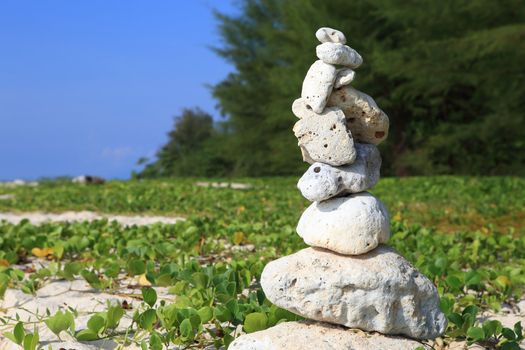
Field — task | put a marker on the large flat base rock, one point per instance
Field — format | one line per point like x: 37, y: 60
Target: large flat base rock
x: 306, y: 335
x: 378, y: 291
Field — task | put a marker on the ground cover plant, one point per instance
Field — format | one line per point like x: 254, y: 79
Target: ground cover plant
x: 465, y: 234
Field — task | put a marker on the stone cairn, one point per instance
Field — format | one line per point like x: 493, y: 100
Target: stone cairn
x: 348, y: 283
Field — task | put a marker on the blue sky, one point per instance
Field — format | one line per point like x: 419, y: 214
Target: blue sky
x: 90, y: 86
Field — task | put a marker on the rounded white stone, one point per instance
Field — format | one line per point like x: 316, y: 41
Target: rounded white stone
x: 378, y: 291
x: 335, y: 53
x: 317, y: 85
x: 323, y: 181
x: 349, y: 225
x: 329, y: 35
x: 343, y: 77
x: 307, y: 335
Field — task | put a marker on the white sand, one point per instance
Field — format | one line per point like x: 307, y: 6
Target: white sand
x: 40, y: 217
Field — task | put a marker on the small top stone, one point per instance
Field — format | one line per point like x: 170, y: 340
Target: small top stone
x: 329, y: 35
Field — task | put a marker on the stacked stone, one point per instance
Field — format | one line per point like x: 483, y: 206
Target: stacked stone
x: 348, y: 277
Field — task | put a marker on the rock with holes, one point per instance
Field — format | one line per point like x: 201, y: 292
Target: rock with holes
x: 335, y: 53
x: 329, y: 35
x: 324, y: 137
x: 350, y: 225
x: 365, y: 120
x: 307, y: 335
x: 317, y: 85
x: 322, y: 181
x: 343, y: 77
x: 377, y: 291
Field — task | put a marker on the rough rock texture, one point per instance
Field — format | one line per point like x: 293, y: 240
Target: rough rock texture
x: 334, y: 53
x: 329, y: 35
x: 317, y: 85
x: 350, y: 225
x: 366, y: 121
x: 378, y: 291
x: 322, y: 181
x: 344, y: 76
x: 306, y: 335
x: 324, y: 138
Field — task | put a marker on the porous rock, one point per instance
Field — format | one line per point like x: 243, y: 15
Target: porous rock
x: 322, y: 181
x: 317, y: 85
x: 324, y: 138
x: 335, y: 53
x: 350, y: 225
x: 377, y: 291
x: 329, y: 35
x: 367, y: 122
x: 344, y: 76
x: 306, y: 335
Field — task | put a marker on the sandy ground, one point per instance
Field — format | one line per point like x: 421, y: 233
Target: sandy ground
x: 79, y: 295
x: 40, y: 217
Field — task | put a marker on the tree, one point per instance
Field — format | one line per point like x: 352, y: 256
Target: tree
x: 193, y: 149
x: 448, y: 73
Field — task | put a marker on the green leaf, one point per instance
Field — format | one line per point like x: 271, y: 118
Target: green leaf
x: 136, y: 267
x: 186, y: 329
x: 114, y: 314
x: 492, y: 328
x: 147, y: 319
x: 96, y: 323
x: 19, y: 333
x: 31, y: 340
x: 454, y: 282
x: 200, y: 280
x: 60, y: 322
x: 155, y: 341
x: 476, y: 333
x: 255, y: 321
x: 222, y: 314
x: 205, y: 313
x: 149, y: 295
x: 87, y: 335
x: 508, y: 333
x: 518, y: 329
x: 91, y: 278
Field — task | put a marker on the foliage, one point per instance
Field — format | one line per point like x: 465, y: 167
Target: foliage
x: 193, y: 148
x: 205, y: 264
x: 449, y: 75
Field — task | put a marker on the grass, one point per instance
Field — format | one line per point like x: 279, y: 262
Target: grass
x: 465, y: 234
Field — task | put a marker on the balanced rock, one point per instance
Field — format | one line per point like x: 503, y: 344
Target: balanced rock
x: 378, y: 291
x: 329, y: 35
x: 317, y: 85
x: 349, y: 225
x: 365, y: 120
x: 324, y: 137
x: 335, y: 53
x: 305, y: 335
x: 344, y: 76
x: 322, y: 181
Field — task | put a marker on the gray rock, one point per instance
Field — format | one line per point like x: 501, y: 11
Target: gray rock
x: 335, y: 53
x: 88, y: 180
x: 324, y: 137
x: 344, y: 76
x: 322, y: 181
x: 305, y: 335
x: 317, y: 85
x: 365, y: 120
x: 329, y: 35
x: 378, y: 291
x: 350, y: 225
